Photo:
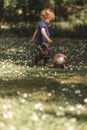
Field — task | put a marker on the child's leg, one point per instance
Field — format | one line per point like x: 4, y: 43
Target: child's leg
x: 46, y: 61
x: 36, y: 59
x: 47, y: 57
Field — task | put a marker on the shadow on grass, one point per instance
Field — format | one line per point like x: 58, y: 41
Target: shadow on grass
x: 79, y: 117
x: 73, y: 93
x: 78, y: 31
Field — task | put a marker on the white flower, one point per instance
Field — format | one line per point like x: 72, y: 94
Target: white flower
x: 6, y: 106
x: 49, y: 94
x: 44, y: 117
x: 78, y: 112
x: 39, y: 106
x: 12, y: 127
x: 35, y: 117
x: 77, y: 92
x: 22, y: 100
x: 25, y: 95
x: 60, y: 113
x: 70, y: 128
x: 85, y: 100
x: 8, y: 115
x: 79, y: 107
x: 72, y: 120
x: 71, y: 108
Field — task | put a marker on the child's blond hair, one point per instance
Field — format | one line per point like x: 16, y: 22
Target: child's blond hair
x: 47, y: 13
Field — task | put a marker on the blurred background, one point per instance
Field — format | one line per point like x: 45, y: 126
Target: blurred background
x: 20, y: 17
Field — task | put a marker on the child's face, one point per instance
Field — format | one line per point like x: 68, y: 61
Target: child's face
x: 48, y: 21
x: 50, y: 18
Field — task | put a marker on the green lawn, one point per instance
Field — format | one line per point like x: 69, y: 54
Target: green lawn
x: 41, y: 98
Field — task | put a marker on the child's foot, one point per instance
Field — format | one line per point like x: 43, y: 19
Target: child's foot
x: 33, y: 61
x: 49, y: 65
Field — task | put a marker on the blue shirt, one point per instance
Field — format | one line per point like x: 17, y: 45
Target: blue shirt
x: 40, y: 38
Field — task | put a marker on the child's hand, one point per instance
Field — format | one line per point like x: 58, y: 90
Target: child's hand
x: 31, y: 40
x: 50, y: 41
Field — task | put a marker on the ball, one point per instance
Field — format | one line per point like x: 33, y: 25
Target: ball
x: 60, y: 60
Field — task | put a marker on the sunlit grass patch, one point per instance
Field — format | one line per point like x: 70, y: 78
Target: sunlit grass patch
x: 75, y: 79
x: 37, y: 97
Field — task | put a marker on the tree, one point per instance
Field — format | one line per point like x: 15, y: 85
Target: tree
x: 1, y: 10
x: 35, y: 6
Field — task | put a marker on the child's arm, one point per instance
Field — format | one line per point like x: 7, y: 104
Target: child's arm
x: 45, y: 35
x: 34, y: 36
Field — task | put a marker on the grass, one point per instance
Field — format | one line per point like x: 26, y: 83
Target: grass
x: 41, y: 98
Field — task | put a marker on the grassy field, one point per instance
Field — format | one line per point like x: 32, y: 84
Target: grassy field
x: 41, y: 98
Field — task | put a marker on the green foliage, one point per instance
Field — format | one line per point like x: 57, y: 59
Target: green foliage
x: 1, y: 10
x: 21, y: 17
x: 81, y: 30
x: 29, y: 11
x: 10, y: 3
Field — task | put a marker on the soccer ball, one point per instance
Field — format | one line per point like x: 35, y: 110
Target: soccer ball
x: 60, y: 60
